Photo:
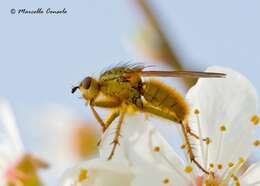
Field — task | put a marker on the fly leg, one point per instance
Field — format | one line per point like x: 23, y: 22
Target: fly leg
x: 115, y: 141
x: 189, y: 148
x: 98, y: 118
x: 109, y: 121
x: 189, y: 131
x: 106, y: 103
x: 103, y: 104
x: 172, y: 117
x: 111, y: 118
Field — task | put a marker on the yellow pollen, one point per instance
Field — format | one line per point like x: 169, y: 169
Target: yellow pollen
x: 157, y: 149
x: 241, y: 160
x: 223, y: 128
x: 188, y: 169
x: 255, y: 119
x: 230, y: 164
x: 256, y: 143
x: 211, y: 165
x: 83, y: 175
x: 235, y: 178
x: 183, y: 146
x: 166, y: 181
x: 208, y: 140
x: 196, y: 111
x: 220, y: 166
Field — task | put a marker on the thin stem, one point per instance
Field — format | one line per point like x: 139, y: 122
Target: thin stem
x: 170, y: 56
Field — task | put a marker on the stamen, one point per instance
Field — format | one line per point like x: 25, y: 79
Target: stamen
x: 236, y: 180
x: 166, y: 181
x: 255, y: 119
x: 208, y: 141
x: 83, y: 175
x: 183, y: 146
x: 169, y: 162
x: 200, y: 137
x: 196, y: 111
x: 188, y: 169
x: 229, y: 165
x: 220, y: 166
x: 256, y: 143
x: 220, y: 143
x: 158, y: 150
x: 233, y: 171
x: 223, y: 128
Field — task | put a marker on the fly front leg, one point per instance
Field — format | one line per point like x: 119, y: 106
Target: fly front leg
x: 115, y: 141
x: 103, y: 104
x: 98, y: 118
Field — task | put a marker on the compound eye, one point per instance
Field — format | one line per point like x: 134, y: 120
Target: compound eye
x: 86, y: 82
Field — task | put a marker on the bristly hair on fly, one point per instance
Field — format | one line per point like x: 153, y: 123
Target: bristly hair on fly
x: 126, y: 65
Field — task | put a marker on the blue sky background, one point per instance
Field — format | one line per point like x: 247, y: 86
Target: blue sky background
x: 42, y: 56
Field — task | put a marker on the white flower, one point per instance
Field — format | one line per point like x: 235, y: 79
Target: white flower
x: 223, y: 112
x: 11, y: 147
x: 98, y: 173
x: 16, y: 166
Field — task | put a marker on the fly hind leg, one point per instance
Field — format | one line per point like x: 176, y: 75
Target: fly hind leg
x: 189, y: 148
x: 172, y: 117
x: 190, y: 132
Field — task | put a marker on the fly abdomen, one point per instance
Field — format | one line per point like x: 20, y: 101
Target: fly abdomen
x: 165, y: 98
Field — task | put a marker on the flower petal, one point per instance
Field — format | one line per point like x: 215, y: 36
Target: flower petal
x: 144, y: 149
x: 252, y: 175
x: 11, y: 146
x: 137, y: 142
x: 158, y: 178
x: 9, y: 129
x: 97, y: 173
x: 225, y: 108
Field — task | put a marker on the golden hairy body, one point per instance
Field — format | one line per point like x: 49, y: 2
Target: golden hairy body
x: 166, y: 98
x: 126, y: 86
x: 123, y: 86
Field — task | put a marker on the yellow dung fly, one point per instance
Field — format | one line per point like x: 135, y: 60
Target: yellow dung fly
x: 122, y: 87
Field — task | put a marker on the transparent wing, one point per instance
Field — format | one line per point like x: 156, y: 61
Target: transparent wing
x: 186, y: 74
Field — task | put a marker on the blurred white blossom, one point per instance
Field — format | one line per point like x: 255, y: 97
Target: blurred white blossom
x: 17, y: 168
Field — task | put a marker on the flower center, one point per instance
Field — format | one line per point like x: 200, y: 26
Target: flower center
x: 210, y: 180
x: 10, y: 173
